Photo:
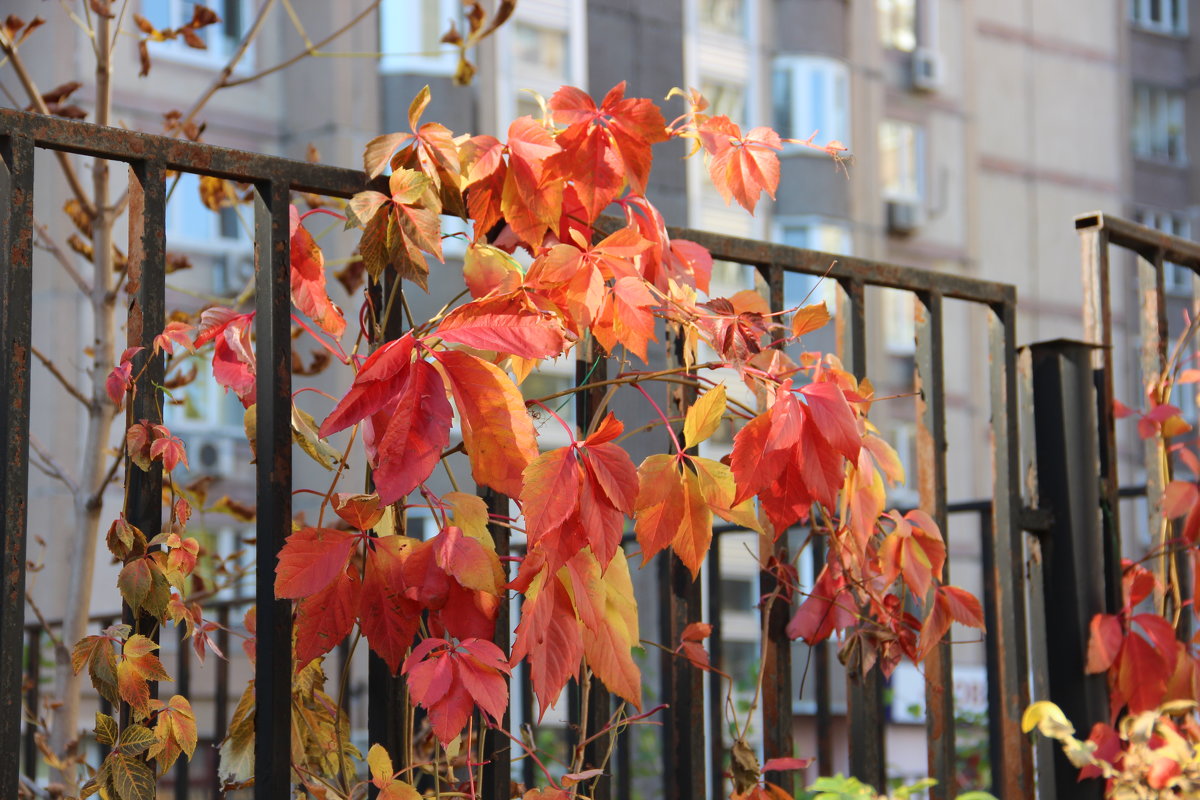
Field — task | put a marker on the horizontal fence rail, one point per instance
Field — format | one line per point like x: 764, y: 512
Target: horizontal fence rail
x: 691, y: 736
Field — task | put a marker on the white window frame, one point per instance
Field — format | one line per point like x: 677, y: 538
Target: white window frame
x: 401, y: 23
x: 566, y: 16
x: 816, y: 232
x: 1177, y: 280
x: 217, y: 54
x: 911, y: 188
x: 899, y: 322
x: 742, y: 25
x: 831, y: 112
x: 890, y: 31
x: 1172, y: 16
x: 1159, y: 125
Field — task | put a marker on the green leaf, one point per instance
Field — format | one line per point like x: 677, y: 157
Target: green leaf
x: 130, y: 777
x: 135, y: 739
x: 106, y: 729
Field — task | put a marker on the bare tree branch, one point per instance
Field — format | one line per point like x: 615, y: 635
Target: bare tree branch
x: 62, y: 379
x: 35, y: 97
x: 50, y: 465
x: 47, y: 242
x: 307, y: 51
x: 41, y: 618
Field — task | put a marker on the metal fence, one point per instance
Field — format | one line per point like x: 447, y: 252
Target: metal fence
x: 686, y: 748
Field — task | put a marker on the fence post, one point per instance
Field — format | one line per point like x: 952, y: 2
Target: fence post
x: 1067, y: 484
x: 16, y: 283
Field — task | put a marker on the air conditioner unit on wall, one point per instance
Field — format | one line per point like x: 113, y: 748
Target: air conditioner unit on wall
x: 903, y: 216
x: 928, y: 70
x: 211, y: 455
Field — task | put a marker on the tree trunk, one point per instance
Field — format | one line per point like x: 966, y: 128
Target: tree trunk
x: 93, y: 472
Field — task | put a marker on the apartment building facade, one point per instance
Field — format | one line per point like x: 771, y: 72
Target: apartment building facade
x: 977, y: 130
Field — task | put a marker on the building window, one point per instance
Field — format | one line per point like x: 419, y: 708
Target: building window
x: 410, y: 34
x: 723, y: 16
x: 1176, y: 279
x: 541, y: 49
x: 811, y: 233
x: 222, y: 38
x: 1158, y: 123
x: 811, y: 95
x: 1161, y: 16
x: 899, y: 322
x: 725, y: 98
x: 901, y: 160
x: 898, y: 24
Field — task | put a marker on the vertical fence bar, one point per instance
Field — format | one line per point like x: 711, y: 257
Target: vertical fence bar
x: 33, y: 700
x: 716, y: 693
x: 1006, y: 575
x: 592, y: 366
x: 16, y: 282
x: 387, y: 694
x: 273, y: 351
x: 221, y: 691
x: 145, y: 282
x: 1152, y: 327
x: 183, y: 686
x: 682, y: 684
x: 864, y: 693
x: 104, y: 703
x: 1073, y: 549
x: 991, y: 647
x: 1097, y: 329
x: 497, y: 751
x: 824, y: 686
x: 931, y: 474
x: 777, y: 647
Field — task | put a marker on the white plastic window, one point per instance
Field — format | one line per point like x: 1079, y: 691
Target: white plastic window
x: 1161, y: 16
x: 410, y: 33
x: 811, y: 94
x: 1158, y: 126
x: 901, y: 160
x: 898, y: 24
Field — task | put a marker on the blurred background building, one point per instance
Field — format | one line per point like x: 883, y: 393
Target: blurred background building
x: 977, y: 131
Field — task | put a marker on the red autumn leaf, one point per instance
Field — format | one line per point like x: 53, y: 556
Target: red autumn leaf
x: 549, y: 637
x: 785, y: 764
x: 626, y: 317
x: 170, y: 449
x: 741, y: 167
x: 233, y: 362
x: 833, y: 417
x: 308, y: 280
x: 964, y: 607
x: 915, y: 550
x: 392, y: 617
x: 119, y: 381
x: 448, y: 680
x: 1104, y: 643
x: 1179, y: 498
x: 324, y: 619
x: 379, y: 379
x: 417, y: 431
x: 696, y: 632
x: 1142, y: 674
x: 175, y: 333
x: 619, y: 134
x: 360, y: 511
x: 508, y: 324
x: 754, y: 465
x: 497, y: 432
x: 1137, y: 583
x: 829, y: 606
x: 532, y: 195
x: 310, y: 560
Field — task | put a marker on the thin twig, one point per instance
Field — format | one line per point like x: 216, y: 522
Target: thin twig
x: 35, y: 98
x: 51, y: 466
x: 307, y: 51
x: 52, y: 247
x: 62, y: 379
x: 41, y: 618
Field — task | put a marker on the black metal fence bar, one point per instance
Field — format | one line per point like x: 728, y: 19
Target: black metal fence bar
x: 16, y: 284
x: 716, y: 691
x: 931, y: 479
x: 776, y: 610
x: 273, y: 352
x: 33, y: 644
x: 1014, y: 768
x: 497, y: 750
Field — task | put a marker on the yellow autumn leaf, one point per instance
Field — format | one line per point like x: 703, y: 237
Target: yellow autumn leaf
x: 704, y: 417
x: 809, y: 318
